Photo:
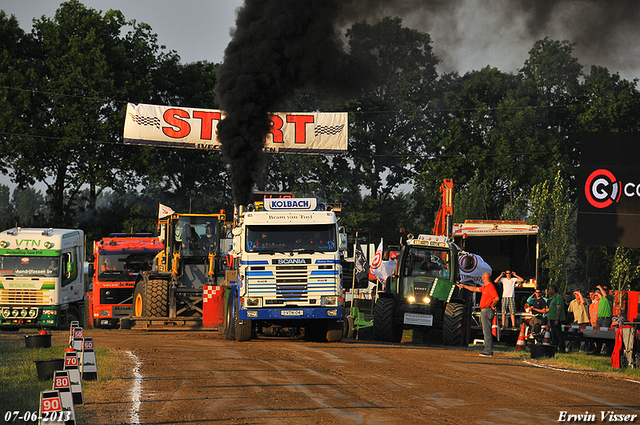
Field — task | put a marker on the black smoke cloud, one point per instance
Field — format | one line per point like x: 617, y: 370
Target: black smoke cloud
x: 279, y: 46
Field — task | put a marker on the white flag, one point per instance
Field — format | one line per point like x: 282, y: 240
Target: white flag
x: 164, y: 211
x: 382, y: 269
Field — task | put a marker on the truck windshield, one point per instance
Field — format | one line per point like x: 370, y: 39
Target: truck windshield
x: 30, y: 266
x: 291, y: 238
x: 123, y: 267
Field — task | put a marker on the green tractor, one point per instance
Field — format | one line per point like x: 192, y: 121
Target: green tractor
x: 423, y: 295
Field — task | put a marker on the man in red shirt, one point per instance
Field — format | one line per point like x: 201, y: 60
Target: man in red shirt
x: 488, y: 302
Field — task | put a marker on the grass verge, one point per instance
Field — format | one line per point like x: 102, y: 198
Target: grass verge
x: 19, y: 385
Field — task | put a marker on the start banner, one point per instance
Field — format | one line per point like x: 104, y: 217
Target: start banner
x: 177, y: 127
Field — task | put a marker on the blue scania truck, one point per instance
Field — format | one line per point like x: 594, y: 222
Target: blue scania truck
x: 288, y: 275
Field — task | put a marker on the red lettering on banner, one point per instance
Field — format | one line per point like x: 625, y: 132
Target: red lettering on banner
x: 173, y: 118
x: 276, y: 128
x: 207, y: 118
x: 301, y: 130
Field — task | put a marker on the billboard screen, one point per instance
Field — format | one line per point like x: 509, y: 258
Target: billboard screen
x: 609, y: 190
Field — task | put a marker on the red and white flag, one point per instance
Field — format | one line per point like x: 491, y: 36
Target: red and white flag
x: 382, y: 269
x: 164, y: 211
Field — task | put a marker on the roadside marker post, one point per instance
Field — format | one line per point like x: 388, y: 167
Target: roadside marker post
x: 71, y: 365
x: 88, y: 360
x: 78, y: 335
x: 75, y: 324
x: 62, y: 383
x: 50, y: 408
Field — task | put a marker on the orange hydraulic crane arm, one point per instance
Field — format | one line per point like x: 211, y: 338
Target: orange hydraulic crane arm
x: 446, y: 208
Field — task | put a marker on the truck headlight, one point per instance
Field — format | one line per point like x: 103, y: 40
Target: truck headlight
x: 329, y: 301
x: 104, y: 313
x: 253, y: 302
x: 252, y: 313
x: 6, y: 312
x: 332, y: 313
x: 33, y: 312
x: 24, y: 312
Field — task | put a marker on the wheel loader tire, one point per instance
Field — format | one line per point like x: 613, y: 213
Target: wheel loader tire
x: 383, y: 327
x: 139, y: 299
x: 151, y: 298
x: 453, y: 326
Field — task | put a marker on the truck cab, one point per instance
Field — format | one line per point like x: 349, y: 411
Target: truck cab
x: 117, y: 262
x: 41, y: 277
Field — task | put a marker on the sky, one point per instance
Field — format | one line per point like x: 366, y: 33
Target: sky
x: 467, y: 34
x: 195, y: 29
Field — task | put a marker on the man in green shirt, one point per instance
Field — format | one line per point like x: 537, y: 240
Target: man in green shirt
x: 555, y: 315
x: 605, y: 313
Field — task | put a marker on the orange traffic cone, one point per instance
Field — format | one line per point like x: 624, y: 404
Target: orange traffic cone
x: 547, y: 337
x: 520, y: 345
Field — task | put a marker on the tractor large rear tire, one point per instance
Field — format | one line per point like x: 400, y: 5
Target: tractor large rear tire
x: 383, y: 326
x: 453, y: 328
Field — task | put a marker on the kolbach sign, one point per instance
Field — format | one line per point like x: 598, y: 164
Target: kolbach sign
x: 177, y: 127
x: 609, y: 190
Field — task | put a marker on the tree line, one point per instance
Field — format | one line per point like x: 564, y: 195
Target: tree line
x: 510, y: 141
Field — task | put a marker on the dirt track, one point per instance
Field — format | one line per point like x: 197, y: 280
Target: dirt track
x: 199, y: 378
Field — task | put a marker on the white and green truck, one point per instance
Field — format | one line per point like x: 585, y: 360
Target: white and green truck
x: 41, y: 277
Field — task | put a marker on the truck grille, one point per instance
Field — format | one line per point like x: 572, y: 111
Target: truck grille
x: 298, y: 284
x: 24, y: 296
x: 116, y: 295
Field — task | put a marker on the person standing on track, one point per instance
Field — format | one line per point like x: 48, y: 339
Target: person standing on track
x: 555, y: 315
x: 488, y: 302
x: 508, y: 280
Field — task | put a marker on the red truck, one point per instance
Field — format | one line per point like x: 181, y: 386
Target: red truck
x: 117, y: 261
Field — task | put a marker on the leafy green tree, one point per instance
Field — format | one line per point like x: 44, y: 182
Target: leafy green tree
x: 555, y: 213
x: 388, y: 126
x: 555, y: 74
x: 6, y: 207
x: 78, y: 71
x: 30, y: 207
x: 625, y: 269
x: 610, y: 102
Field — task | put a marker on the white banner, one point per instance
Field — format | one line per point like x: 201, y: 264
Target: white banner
x: 177, y: 127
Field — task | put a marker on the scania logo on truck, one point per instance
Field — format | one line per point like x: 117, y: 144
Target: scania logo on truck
x: 275, y: 204
x: 292, y: 261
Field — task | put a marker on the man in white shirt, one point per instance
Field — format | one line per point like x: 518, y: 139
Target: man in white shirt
x: 508, y: 280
